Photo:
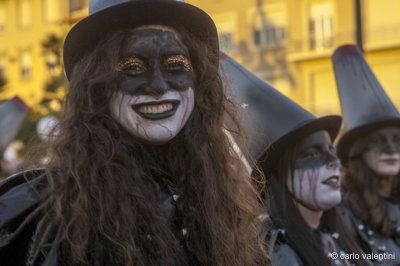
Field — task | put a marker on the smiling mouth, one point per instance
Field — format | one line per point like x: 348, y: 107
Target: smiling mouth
x: 156, y: 110
x: 390, y: 160
x: 332, y: 181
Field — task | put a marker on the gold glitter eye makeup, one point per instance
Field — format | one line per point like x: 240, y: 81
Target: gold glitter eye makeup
x: 132, y: 65
x: 178, y: 61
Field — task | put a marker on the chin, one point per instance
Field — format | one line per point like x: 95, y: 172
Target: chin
x: 330, y: 203
x: 388, y: 171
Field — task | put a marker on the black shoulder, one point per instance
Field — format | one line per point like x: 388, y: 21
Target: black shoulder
x: 284, y: 255
x: 23, y: 198
x: 21, y: 178
x: 20, y: 193
x: 274, y: 237
x: 280, y: 251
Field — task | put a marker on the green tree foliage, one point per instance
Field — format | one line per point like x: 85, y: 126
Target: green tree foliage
x: 54, y: 90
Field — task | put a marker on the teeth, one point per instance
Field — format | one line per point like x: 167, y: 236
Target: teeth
x: 333, y: 180
x: 155, y: 109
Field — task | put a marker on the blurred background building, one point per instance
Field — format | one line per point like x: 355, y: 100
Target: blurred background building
x: 288, y: 43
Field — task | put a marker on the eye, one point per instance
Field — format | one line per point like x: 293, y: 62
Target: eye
x: 131, y: 66
x: 376, y: 139
x: 396, y: 138
x: 177, y: 63
x: 311, y: 153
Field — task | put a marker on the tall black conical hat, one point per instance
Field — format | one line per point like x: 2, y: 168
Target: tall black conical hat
x: 12, y: 114
x: 273, y: 121
x: 106, y: 16
x: 365, y: 105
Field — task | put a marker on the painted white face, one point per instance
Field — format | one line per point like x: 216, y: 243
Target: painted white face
x: 382, y: 153
x: 156, y: 81
x: 134, y: 112
x: 315, y: 181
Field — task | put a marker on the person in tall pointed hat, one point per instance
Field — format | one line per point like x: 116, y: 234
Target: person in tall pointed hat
x: 12, y: 114
x: 141, y: 172
x: 370, y: 152
x: 294, y: 150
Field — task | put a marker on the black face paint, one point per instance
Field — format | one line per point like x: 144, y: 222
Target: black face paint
x: 315, y: 151
x: 152, y: 62
x: 386, y: 140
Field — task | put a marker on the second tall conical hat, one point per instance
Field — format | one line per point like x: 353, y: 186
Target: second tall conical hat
x: 12, y: 114
x: 273, y: 121
x: 365, y: 105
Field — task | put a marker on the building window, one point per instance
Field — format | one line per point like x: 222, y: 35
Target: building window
x: 268, y: 36
x: 75, y: 5
x: 3, y: 16
x: 320, y: 26
x: 51, y: 10
x: 24, y: 13
x: 267, y: 22
x: 26, y: 65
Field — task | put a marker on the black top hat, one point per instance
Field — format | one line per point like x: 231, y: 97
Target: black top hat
x: 274, y: 122
x: 365, y: 105
x: 109, y: 15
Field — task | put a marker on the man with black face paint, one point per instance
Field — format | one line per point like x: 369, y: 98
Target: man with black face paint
x: 370, y: 152
x: 302, y: 171
x: 143, y: 172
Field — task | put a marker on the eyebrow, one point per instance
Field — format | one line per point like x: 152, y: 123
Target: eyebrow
x: 179, y: 58
x: 128, y: 60
x: 314, y: 146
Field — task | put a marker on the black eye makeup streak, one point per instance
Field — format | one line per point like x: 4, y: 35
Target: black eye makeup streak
x: 385, y: 141
x: 128, y: 62
x: 314, y: 151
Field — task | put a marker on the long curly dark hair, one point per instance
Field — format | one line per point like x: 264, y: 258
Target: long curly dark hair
x: 103, y: 180
x: 305, y: 241
x: 360, y: 196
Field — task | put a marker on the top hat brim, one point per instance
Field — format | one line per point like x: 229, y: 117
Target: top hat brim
x: 87, y: 33
x: 330, y: 123
x: 349, y: 138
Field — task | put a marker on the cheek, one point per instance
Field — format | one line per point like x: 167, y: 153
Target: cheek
x: 302, y: 183
x: 371, y: 159
x: 306, y: 187
x: 121, y: 110
x: 368, y: 157
x: 131, y: 85
x: 188, y: 99
x: 182, y: 82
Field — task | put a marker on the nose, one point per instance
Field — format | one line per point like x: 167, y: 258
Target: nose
x: 333, y: 161
x: 334, y: 164
x: 391, y: 147
x: 157, y: 84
